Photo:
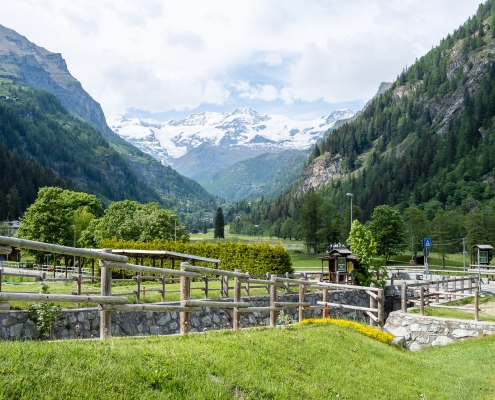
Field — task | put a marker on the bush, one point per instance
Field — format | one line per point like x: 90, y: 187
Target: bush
x: 255, y: 258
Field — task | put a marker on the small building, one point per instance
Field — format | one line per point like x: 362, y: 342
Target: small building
x: 340, y: 266
x: 484, y: 251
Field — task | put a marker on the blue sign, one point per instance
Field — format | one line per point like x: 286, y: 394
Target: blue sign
x: 426, y: 243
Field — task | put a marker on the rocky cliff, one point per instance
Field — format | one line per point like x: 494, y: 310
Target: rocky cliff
x: 321, y: 171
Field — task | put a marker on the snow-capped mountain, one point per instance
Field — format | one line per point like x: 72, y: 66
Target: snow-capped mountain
x: 242, y: 129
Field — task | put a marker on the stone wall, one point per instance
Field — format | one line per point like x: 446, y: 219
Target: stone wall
x: 17, y: 325
x: 418, y: 332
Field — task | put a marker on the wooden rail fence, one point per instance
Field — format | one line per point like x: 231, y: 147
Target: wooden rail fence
x: 109, y: 303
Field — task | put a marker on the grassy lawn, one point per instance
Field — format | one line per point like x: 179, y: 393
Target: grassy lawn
x: 304, y: 362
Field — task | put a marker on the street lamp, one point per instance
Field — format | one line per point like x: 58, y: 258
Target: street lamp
x: 259, y: 236
x: 75, y: 230
x: 351, y: 196
x: 175, y: 227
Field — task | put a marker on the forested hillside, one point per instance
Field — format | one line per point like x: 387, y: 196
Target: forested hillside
x: 426, y: 143
x: 53, y: 148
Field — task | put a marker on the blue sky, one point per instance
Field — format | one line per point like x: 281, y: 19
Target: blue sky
x: 303, y: 59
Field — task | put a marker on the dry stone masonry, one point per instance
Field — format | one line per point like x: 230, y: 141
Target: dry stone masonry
x: 417, y: 332
x: 86, y: 322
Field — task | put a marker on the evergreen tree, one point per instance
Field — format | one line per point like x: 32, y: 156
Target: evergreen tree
x: 205, y: 229
x: 219, y: 225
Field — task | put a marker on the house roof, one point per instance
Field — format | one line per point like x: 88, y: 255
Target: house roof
x: 483, y: 247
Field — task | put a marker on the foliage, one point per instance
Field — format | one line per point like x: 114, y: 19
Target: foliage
x: 387, y: 227
x: 129, y: 220
x: 363, y: 245
x: 255, y: 258
x: 219, y: 225
x: 366, y: 330
x: 44, y: 314
x: 417, y: 226
x: 50, y: 217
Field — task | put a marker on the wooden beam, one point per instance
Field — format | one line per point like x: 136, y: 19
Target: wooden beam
x: 348, y: 307
x: 5, y: 250
x: 214, y: 304
x: 289, y: 304
x: 147, y: 307
x: 60, y: 298
x: 57, y: 249
x: 214, y: 271
x: 149, y: 270
x: 372, y: 316
x: 259, y: 309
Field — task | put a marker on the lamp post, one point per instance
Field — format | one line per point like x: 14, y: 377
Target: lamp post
x: 75, y: 230
x: 351, y: 196
x: 259, y: 237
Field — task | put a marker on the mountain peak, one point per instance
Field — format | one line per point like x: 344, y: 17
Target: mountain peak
x: 245, y: 111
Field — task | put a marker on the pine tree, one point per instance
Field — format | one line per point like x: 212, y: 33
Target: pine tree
x: 219, y: 225
x: 205, y: 229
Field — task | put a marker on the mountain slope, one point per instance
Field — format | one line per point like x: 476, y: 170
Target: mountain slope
x: 268, y: 174
x: 34, y: 125
x: 430, y: 136
x: 24, y: 62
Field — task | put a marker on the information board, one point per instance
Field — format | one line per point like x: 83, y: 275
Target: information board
x: 341, y: 267
x: 483, y: 257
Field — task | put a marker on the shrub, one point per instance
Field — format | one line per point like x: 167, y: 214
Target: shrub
x: 255, y: 258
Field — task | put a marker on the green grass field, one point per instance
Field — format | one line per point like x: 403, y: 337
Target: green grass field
x: 303, y: 362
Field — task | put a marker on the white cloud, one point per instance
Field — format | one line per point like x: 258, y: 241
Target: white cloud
x: 273, y: 60
x: 260, y: 92
x: 160, y: 56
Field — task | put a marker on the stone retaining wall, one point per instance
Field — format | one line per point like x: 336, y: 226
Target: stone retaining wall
x: 418, y: 332
x: 17, y: 325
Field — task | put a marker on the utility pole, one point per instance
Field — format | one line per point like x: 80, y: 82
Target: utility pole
x: 464, y: 252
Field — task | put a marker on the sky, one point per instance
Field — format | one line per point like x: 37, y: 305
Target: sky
x: 167, y: 59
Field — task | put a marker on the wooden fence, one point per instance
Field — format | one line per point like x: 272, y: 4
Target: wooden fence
x: 440, y: 290
x: 109, y: 303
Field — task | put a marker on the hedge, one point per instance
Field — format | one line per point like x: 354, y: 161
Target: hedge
x: 255, y: 258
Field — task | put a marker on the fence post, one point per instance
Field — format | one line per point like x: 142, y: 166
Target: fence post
x: 302, y: 292
x: 185, y: 294
x: 437, y: 289
x: 247, y: 285
x: 325, y: 300
x: 237, y: 298
x: 476, y: 306
x: 106, y: 290
x: 454, y: 288
x: 273, y: 299
x: 268, y: 277
x: 163, y: 287
x: 462, y: 286
x: 287, y: 287
x: 470, y: 285
x: 1, y: 279
x: 138, y: 289
x: 381, y: 308
x: 476, y: 283
x: 206, y: 286
x: 422, y: 300
x: 404, y: 297
x: 372, y: 305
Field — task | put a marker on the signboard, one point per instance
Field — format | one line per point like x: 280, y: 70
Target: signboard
x: 426, y: 243
x: 341, y: 267
x: 483, y: 257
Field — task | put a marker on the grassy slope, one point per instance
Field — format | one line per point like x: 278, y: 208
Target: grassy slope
x: 310, y: 362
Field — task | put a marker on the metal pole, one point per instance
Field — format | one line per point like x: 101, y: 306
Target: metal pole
x: 464, y: 252
x: 479, y: 271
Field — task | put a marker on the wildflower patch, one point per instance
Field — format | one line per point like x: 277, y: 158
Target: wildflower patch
x: 364, y: 329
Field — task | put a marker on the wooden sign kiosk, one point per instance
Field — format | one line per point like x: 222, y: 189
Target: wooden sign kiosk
x: 340, y: 266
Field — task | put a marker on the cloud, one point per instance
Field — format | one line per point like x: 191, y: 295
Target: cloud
x: 159, y: 56
x: 273, y: 60
x: 188, y: 40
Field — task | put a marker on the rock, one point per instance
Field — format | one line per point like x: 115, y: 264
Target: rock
x: 442, y: 341
x: 16, y: 330
x: 414, y: 346
x: 462, y: 333
x: 401, y: 332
